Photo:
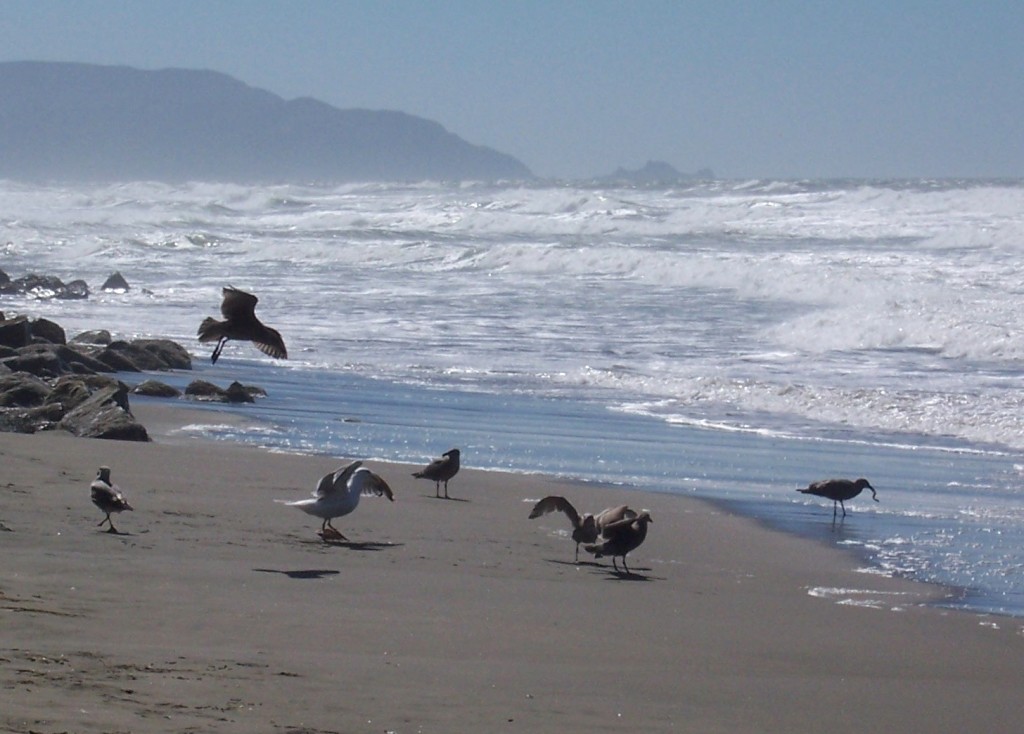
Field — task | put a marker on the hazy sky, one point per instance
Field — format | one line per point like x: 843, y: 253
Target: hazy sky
x: 783, y: 88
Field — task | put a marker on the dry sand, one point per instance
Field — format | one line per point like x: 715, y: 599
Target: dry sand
x: 217, y: 610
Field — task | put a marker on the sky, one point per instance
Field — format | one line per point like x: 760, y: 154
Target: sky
x: 579, y: 88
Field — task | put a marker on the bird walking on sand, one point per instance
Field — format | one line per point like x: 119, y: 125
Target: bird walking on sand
x: 839, y: 490
x: 240, y: 322
x: 108, y: 497
x: 621, y: 537
x: 441, y: 470
x: 586, y: 528
x: 337, y: 494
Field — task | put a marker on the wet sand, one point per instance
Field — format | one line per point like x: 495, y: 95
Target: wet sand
x: 216, y: 609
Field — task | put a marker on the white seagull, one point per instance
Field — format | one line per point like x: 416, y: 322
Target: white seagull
x: 337, y: 494
x: 108, y: 497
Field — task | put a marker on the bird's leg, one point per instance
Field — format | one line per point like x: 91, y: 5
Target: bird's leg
x: 112, y: 529
x: 616, y: 565
x: 446, y: 489
x: 843, y: 506
x: 104, y: 521
x: 625, y: 566
x: 216, y: 349
x: 577, y: 558
x: 335, y: 533
x: 437, y: 489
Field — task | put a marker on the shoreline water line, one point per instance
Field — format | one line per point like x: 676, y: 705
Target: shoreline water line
x: 938, y: 520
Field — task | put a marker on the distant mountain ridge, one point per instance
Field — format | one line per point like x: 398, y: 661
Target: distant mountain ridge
x: 657, y: 172
x: 67, y: 121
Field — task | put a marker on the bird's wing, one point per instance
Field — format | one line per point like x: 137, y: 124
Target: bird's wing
x: 237, y: 303
x: 337, y: 480
x: 375, y: 485
x: 611, y: 515
x: 271, y: 344
x: 554, y: 503
x: 103, y: 492
x: 619, y: 527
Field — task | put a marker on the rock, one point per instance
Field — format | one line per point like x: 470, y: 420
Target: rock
x: 16, y: 332
x: 238, y: 393
x: 20, y: 389
x: 156, y: 389
x: 115, y: 358
x: 170, y: 355
x: 115, y: 282
x: 68, y: 392
x: 97, y: 336
x: 205, y: 391
x: 45, y: 286
x: 40, y: 360
x: 146, y: 355
x: 76, y: 289
x: 78, y: 360
x: 105, y: 415
x: 29, y: 420
x: 235, y: 393
x: 48, y: 331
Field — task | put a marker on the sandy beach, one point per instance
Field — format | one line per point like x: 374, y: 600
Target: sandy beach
x: 216, y: 609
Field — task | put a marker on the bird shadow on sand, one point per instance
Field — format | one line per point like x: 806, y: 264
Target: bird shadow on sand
x: 117, y: 533
x: 304, y: 574
x: 611, y: 573
x: 444, y: 499
x: 354, y: 544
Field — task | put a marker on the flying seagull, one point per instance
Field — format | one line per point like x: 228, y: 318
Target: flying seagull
x: 337, y: 494
x: 441, y: 470
x: 585, y: 529
x: 108, y: 497
x: 240, y: 322
x: 839, y: 490
x: 621, y: 537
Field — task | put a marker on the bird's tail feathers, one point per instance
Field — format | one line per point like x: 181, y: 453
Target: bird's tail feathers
x: 211, y: 330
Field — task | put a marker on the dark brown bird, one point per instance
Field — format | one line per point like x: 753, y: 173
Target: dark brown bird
x: 441, y: 470
x: 585, y: 529
x: 240, y: 322
x: 621, y: 537
x: 108, y: 497
x: 839, y: 490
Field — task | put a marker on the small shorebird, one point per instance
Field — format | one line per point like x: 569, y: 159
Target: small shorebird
x: 240, y: 322
x: 441, y: 470
x: 839, y: 490
x: 108, y: 497
x: 585, y: 529
x: 621, y: 537
x: 337, y: 494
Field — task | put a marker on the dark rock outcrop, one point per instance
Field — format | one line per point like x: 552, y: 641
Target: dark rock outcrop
x: 47, y: 331
x: 45, y: 286
x: 105, y: 414
x: 156, y: 389
x: 236, y: 392
x: 15, y: 332
x: 95, y: 336
x: 116, y: 282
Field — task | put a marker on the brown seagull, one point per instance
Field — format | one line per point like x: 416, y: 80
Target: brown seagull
x: 441, y: 470
x: 240, y: 322
x: 839, y: 490
x: 585, y: 529
x: 621, y: 537
x: 108, y: 497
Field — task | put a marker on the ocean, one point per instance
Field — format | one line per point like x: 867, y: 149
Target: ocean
x: 731, y: 340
